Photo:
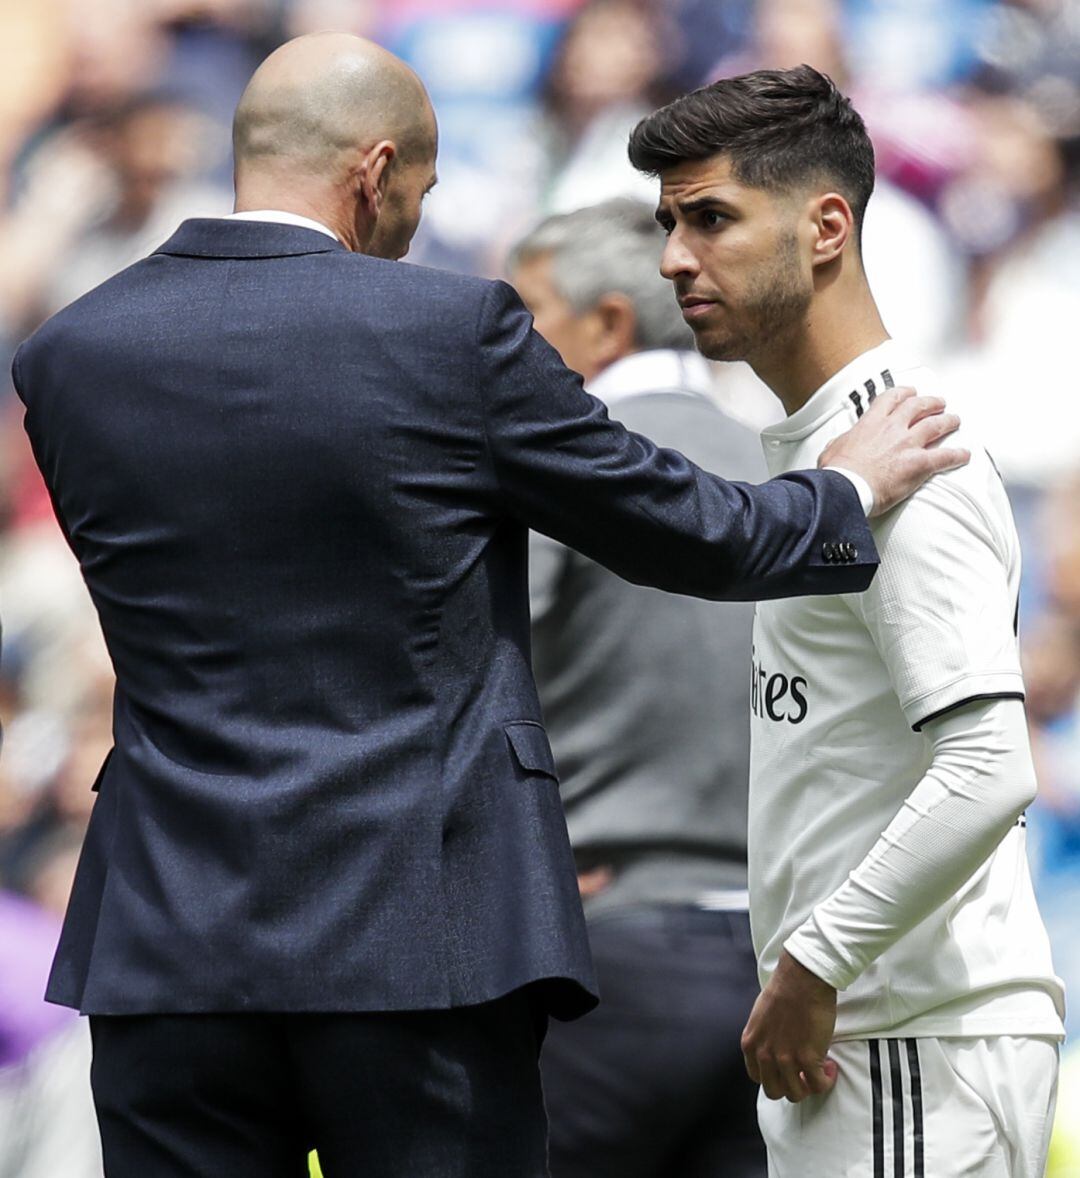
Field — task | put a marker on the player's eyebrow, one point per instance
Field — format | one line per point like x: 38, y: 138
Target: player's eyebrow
x: 697, y: 204
x: 693, y: 204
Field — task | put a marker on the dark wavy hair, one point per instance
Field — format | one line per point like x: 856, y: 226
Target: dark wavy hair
x: 780, y: 129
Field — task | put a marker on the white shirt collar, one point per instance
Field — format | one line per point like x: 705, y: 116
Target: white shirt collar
x: 661, y: 370
x: 279, y: 217
x: 835, y: 394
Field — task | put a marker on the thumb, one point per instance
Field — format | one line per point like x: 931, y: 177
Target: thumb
x: 821, y: 1078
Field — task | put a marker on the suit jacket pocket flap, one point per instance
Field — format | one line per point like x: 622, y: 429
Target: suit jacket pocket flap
x: 531, y: 749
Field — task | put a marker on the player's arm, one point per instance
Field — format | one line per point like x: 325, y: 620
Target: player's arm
x: 941, y: 620
x: 980, y: 780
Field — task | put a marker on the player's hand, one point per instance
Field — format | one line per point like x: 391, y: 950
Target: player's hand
x: 893, y: 445
x: 787, y: 1036
x: 592, y: 883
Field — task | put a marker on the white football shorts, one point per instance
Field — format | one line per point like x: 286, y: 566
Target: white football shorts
x: 921, y: 1108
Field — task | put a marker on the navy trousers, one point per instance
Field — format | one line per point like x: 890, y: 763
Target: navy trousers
x: 417, y: 1094
x: 652, y: 1083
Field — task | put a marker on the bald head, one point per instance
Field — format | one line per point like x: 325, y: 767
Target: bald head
x: 321, y: 97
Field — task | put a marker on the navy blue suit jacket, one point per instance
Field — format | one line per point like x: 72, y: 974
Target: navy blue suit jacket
x: 299, y: 482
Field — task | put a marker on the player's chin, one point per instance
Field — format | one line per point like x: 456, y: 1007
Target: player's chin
x: 716, y: 346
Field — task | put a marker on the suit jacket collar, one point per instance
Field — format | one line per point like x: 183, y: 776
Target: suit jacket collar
x: 216, y: 237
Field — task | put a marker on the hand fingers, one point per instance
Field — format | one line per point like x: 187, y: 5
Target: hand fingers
x: 764, y: 1071
x: 933, y: 429
x: 917, y: 409
x: 889, y: 401
x: 940, y: 460
x: 772, y: 1082
x: 782, y: 1079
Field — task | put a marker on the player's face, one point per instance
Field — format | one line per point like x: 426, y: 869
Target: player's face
x: 736, y: 259
x: 573, y: 336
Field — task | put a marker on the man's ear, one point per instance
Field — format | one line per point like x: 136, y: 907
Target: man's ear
x: 373, y: 172
x: 834, y: 225
x: 616, y: 327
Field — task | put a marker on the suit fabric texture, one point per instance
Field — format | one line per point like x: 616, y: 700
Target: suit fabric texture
x: 299, y: 483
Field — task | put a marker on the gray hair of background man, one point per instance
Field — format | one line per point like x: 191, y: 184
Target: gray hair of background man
x: 611, y: 248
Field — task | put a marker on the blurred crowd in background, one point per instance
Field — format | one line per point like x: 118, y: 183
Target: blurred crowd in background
x: 114, y: 126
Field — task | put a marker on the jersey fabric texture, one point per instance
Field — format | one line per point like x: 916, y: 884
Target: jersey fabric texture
x: 840, y: 691
x: 921, y: 1108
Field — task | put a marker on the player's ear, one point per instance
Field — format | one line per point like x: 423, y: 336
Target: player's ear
x: 834, y: 227
x: 616, y: 326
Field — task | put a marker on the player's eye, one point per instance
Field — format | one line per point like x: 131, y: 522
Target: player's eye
x: 711, y: 219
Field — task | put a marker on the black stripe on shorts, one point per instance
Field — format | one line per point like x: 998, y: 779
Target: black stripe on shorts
x: 915, y: 1072
x: 878, y: 1118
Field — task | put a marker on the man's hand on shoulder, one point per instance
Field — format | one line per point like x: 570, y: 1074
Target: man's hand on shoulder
x: 787, y: 1035
x: 892, y: 446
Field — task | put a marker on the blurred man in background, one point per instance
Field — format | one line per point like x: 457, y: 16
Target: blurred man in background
x: 647, y: 703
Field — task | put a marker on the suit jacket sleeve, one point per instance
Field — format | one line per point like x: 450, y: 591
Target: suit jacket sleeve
x: 564, y: 468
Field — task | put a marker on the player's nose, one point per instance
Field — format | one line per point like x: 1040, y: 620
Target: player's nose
x: 676, y: 259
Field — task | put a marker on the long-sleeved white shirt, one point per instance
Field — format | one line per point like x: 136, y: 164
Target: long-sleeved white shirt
x: 889, y: 762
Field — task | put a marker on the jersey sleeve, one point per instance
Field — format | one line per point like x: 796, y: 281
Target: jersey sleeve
x: 942, y: 609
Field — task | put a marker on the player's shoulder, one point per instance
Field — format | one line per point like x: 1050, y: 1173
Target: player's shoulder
x: 980, y: 472
x: 970, y: 497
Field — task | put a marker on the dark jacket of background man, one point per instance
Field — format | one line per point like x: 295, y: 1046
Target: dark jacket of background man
x: 646, y: 695
x: 299, y: 482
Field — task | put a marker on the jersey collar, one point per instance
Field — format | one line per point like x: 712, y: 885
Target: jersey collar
x: 852, y: 389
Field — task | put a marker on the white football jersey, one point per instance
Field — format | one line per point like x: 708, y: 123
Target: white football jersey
x: 841, y: 687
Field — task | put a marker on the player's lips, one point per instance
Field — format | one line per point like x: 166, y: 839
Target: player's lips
x: 694, y: 307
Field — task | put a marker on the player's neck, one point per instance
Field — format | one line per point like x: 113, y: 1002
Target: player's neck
x: 836, y: 331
